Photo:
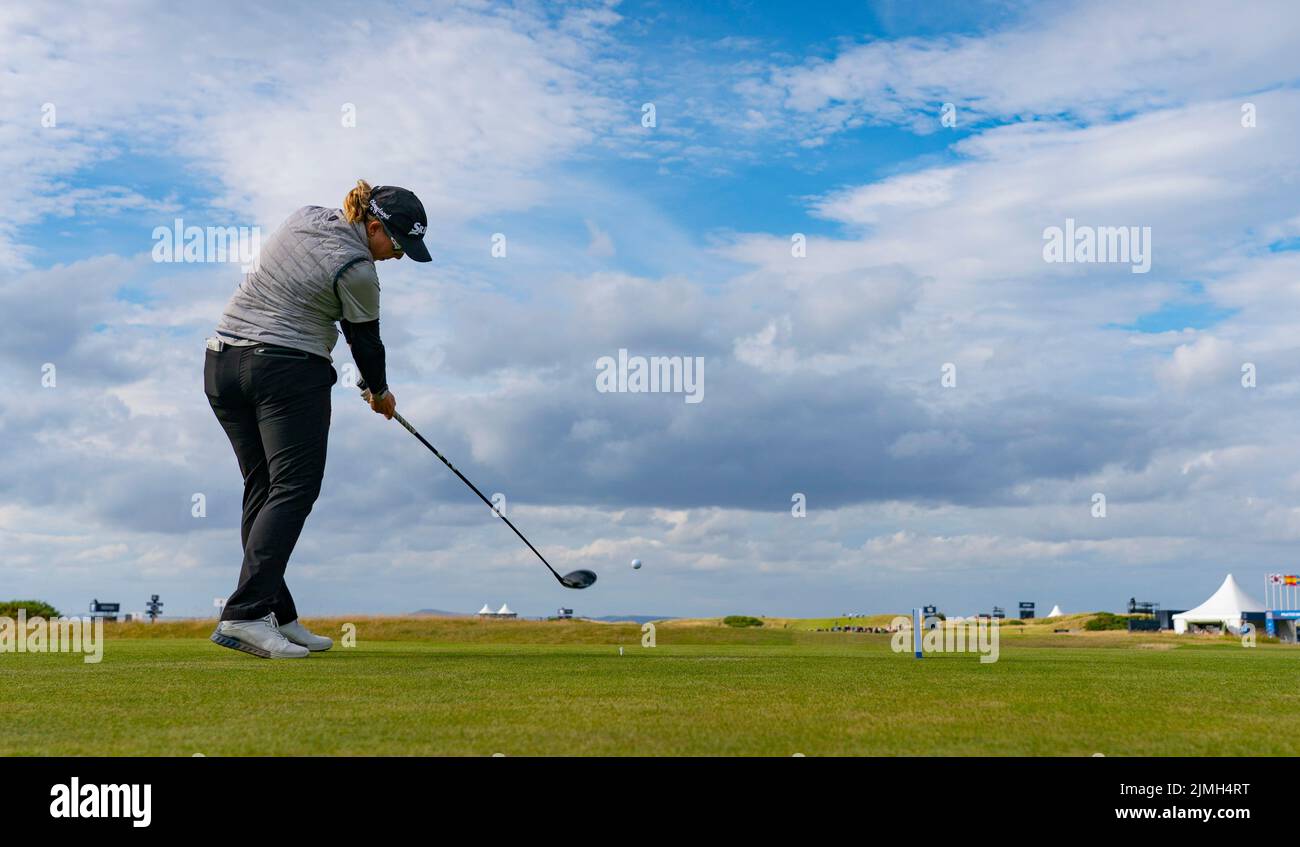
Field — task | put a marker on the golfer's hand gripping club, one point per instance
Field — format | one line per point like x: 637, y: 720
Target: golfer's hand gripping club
x: 385, y: 404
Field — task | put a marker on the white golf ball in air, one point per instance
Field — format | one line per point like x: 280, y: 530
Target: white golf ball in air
x: 636, y: 564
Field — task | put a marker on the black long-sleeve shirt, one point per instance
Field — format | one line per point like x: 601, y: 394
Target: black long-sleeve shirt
x: 368, y: 353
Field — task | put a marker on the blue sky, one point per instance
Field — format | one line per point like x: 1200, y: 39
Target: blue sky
x: 822, y: 371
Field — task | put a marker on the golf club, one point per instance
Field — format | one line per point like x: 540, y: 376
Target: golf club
x: 573, y: 579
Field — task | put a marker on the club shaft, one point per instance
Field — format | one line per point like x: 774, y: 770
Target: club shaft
x: 472, y: 487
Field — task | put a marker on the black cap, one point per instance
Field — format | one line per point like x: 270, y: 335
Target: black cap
x: 403, y: 217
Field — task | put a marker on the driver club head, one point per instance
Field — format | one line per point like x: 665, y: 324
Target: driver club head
x: 578, y: 579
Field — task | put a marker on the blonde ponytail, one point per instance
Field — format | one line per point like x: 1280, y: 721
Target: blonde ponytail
x: 356, y: 206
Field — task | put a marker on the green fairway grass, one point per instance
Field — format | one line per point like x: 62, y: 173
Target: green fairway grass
x: 441, y: 686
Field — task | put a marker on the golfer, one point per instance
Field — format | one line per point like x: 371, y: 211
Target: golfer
x: 268, y: 376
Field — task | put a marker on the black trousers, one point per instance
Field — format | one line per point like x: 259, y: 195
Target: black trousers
x: 274, y: 404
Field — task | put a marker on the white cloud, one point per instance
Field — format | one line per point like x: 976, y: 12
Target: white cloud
x: 867, y: 204
x: 467, y: 108
x: 1091, y: 61
x: 601, y: 244
x: 1207, y: 359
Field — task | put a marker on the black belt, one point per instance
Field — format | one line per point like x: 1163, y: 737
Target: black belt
x: 275, y: 352
x: 261, y: 348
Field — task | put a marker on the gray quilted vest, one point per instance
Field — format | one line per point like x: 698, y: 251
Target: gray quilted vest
x: 291, y: 299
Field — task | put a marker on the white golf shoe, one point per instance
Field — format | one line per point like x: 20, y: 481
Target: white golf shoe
x: 261, y: 637
x: 300, y: 635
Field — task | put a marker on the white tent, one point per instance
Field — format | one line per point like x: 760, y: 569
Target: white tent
x: 504, y: 610
x: 1056, y: 612
x: 1224, y: 608
x: 485, y: 610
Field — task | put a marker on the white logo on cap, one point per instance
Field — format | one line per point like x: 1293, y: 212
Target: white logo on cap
x: 418, y: 229
x: 374, y: 207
